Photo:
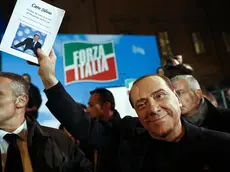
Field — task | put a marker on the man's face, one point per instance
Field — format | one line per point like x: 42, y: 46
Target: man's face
x: 161, y: 71
x: 36, y: 37
x: 7, y: 100
x: 189, y: 98
x: 94, y: 106
x: 228, y: 94
x: 27, y: 79
x: 156, y: 104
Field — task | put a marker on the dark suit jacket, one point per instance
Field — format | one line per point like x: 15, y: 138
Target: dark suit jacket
x: 200, y: 146
x: 28, y: 42
x: 97, y: 134
x: 106, y: 157
x: 199, y: 150
x: 217, y: 119
x: 51, y: 150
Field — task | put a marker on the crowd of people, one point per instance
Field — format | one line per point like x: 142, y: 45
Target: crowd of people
x: 178, y: 128
x: 175, y: 66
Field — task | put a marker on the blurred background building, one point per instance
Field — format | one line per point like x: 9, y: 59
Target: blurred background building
x: 197, y: 29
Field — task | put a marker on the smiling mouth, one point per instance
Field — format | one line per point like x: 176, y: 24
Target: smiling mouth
x: 158, y: 119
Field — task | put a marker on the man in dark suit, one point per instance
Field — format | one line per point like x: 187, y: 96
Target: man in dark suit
x: 30, y: 43
x: 163, y: 142
x: 24, y: 144
x: 198, y: 110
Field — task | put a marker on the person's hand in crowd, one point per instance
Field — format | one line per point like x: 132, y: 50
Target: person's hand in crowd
x: 47, y: 68
x: 174, y: 62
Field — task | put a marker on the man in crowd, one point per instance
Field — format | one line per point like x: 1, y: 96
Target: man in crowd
x: 24, y: 144
x: 196, y: 109
x: 101, y: 106
x: 164, y: 144
x: 102, y: 116
x: 35, y: 99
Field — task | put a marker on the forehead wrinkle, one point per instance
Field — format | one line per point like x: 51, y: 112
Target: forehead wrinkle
x: 153, y: 83
x: 139, y: 94
x: 181, y: 85
x: 153, y: 86
x: 95, y: 98
x: 6, y: 83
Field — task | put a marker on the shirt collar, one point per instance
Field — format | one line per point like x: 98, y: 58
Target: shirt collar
x: 20, y: 131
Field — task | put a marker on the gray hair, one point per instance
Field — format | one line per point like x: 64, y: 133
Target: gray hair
x: 192, y: 82
x: 18, y: 83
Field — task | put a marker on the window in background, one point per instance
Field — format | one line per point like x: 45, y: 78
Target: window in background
x: 165, y: 47
x: 198, y: 43
x: 226, y: 38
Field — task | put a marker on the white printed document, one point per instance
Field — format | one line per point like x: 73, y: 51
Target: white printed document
x: 33, y: 24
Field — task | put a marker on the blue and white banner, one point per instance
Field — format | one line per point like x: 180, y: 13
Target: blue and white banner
x: 135, y: 56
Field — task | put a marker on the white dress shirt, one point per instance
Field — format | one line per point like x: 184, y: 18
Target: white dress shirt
x: 22, y: 144
x: 3, y: 143
x: 34, y: 43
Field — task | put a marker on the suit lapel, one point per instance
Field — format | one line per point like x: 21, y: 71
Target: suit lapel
x: 37, y: 147
x: 44, y: 152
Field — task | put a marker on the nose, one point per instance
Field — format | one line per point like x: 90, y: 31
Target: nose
x: 153, y: 105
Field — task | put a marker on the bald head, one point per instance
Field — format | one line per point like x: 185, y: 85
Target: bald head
x: 163, y: 78
x: 156, y: 104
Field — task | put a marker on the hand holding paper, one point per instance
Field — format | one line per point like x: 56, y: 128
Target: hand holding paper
x: 34, y: 24
x: 47, y: 68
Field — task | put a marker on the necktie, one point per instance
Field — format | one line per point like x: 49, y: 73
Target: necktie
x: 13, y: 160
